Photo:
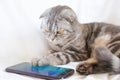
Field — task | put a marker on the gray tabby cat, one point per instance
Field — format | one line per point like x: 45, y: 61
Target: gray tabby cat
x: 97, y: 45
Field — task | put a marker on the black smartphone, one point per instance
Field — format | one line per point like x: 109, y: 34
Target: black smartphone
x: 45, y: 72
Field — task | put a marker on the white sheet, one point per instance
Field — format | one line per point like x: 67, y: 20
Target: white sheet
x: 20, y: 37
x: 11, y: 76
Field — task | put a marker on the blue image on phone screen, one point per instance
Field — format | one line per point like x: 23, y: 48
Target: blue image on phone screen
x: 48, y: 70
x: 43, y: 70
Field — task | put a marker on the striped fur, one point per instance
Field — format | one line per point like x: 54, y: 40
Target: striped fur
x: 94, y: 43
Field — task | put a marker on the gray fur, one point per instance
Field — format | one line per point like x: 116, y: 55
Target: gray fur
x: 77, y: 42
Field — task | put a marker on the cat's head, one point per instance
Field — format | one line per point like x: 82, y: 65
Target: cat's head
x: 57, y: 23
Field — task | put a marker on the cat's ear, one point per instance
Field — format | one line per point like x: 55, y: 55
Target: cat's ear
x: 69, y: 15
x: 45, y: 13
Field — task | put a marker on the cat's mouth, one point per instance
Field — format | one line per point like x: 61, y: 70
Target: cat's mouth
x: 66, y: 41
x: 62, y: 41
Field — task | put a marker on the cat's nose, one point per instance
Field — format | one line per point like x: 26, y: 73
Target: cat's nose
x: 52, y: 38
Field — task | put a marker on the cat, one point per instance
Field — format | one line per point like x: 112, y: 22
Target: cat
x: 96, y: 45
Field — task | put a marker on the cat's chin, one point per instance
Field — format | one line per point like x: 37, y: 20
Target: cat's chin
x: 56, y: 42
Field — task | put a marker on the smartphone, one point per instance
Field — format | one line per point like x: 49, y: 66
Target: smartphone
x: 45, y: 72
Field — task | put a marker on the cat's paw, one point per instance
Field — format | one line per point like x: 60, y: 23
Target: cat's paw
x: 39, y: 61
x: 35, y: 61
x: 84, y: 68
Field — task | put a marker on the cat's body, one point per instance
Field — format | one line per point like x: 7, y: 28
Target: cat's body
x: 96, y: 44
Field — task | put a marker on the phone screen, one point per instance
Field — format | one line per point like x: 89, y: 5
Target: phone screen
x: 46, y: 70
x: 43, y: 70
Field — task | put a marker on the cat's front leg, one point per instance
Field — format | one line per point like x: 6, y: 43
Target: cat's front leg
x: 87, y: 67
x: 102, y: 61
x: 56, y: 58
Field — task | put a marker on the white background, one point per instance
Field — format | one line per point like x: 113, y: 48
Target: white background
x: 20, y: 36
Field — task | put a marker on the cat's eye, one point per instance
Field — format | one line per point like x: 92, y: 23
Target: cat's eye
x: 60, y: 31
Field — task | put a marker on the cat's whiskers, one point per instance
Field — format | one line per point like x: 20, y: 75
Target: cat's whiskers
x: 70, y: 41
x: 67, y: 38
